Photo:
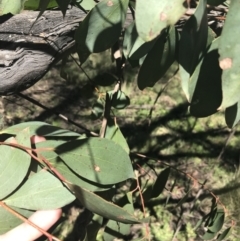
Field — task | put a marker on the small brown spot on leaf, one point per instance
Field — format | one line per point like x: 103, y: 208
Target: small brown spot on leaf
x: 163, y: 16
x: 151, y: 33
x: 225, y: 63
x: 97, y: 168
x: 109, y: 3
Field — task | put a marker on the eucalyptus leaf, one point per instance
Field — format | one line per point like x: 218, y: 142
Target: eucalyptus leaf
x: 63, y: 5
x: 40, y: 129
x: 134, y: 46
x: 101, y: 28
x: 159, y: 59
x: 34, y: 4
x: 102, y: 207
x: 160, y: 183
x: 14, y: 163
x: 224, y: 234
x: 8, y: 221
x: 9, y: 6
x: 42, y: 191
x: 114, y: 133
x: 153, y: 16
x: 193, y: 44
x: 232, y: 115
x: 205, y: 92
x: 69, y: 174
x: 97, y: 159
x: 229, y: 60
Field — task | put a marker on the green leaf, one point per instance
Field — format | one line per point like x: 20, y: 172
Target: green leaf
x: 229, y: 49
x: 119, y: 100
x: 87, y: 5
x: 116, y: 230
x: 101, y: 28
x: 63, y: 5
x: 97, y: 110
x: 193, y: 43
x: 133, y: 45
x: 97, y: 159
x: 66, y: 171
x: 40, y: 129
x: 154, y: 15
x: 232, y: 115
x: 215, y: 2
x: 158, y: 60
x: 217, y: 222
x: 93, y: 227
x: 8, y: 6
x: 195, y: 37
x: 8, y: 221
x: 42, y: 191
x: 100, y: 206
x: 14, y: 164
x: 209, y: 235
x: 34, y: 4
x: 161, y: 182
x: 119, y: 230
x: 224, y: 234
x: 205, y: 93
x: 114, y: 133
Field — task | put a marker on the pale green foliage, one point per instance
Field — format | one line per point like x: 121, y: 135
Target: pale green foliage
x: 11, y: 6
x: 93, y: 169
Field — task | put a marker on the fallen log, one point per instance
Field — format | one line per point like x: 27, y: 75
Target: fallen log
x: 28, y: 51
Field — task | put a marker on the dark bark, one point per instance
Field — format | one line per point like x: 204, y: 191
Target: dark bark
x: 26, y: 53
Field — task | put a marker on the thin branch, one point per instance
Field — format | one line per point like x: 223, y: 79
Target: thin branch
x: 18, y: 215
x: 195, y: 181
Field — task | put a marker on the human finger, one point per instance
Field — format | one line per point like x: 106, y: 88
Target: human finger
x: 25, y: 232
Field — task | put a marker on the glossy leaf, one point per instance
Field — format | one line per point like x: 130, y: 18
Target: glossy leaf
x: 14, y: 163
x: 134, y: 46
x: 65, y: 170
x: 100, y: 206
x: 160, y: 183
x: 42, y: 191
x: 154, y: 15
x: 101, y: 28
x: 97, y: 159
x: 232, y: 115
x: 205, y: 93
x: 40, y: 129
x: 114, y: 133
x: 229, y: 60
x: 224, y: 234
x: 158, y: 60
x: 192, y: 44
x: 8, y: 221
